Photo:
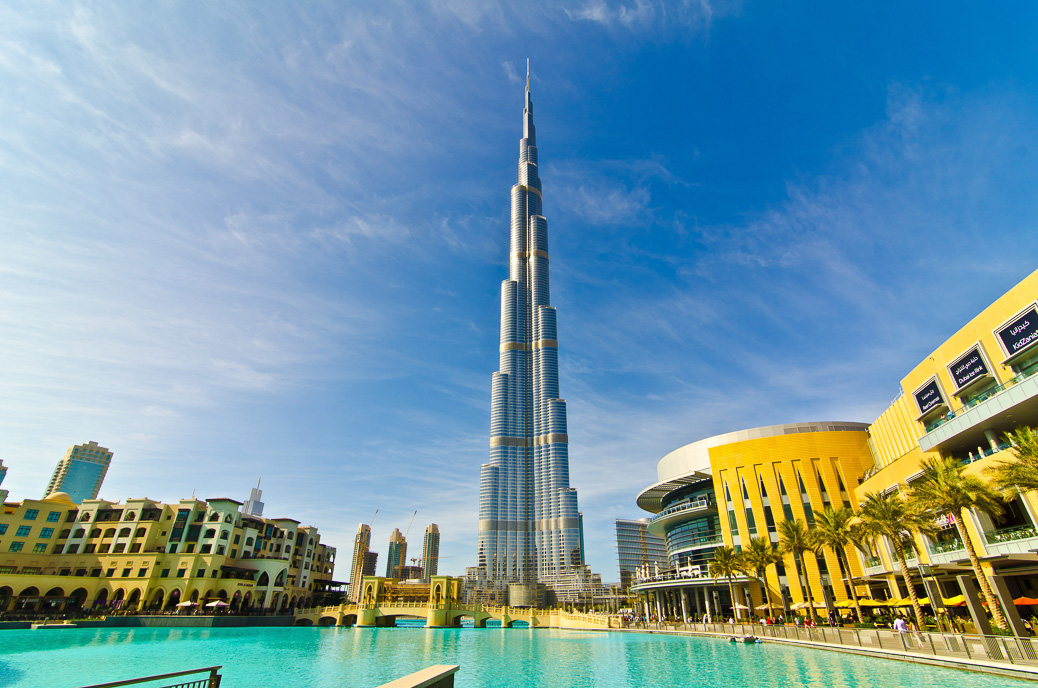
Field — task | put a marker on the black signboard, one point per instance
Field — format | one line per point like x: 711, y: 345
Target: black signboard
x: 968, y: 368
x: 929, y: 397
x: 1021, y: 333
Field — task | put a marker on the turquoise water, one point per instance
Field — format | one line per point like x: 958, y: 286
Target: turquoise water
x: 365, y: 658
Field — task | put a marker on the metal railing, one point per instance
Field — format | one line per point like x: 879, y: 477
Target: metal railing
x: 953, y: 545
x: 695, y: 505
x: 210, y: 681
x: 1010, y: 534
x: 988, y: 648
x: 981, y: 398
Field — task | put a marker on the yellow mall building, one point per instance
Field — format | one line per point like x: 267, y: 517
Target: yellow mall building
x: 961, y: 401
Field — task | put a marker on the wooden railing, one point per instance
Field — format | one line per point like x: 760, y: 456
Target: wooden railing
x: 210, y: 681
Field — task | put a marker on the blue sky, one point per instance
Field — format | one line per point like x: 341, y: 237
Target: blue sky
x: 265, y: 239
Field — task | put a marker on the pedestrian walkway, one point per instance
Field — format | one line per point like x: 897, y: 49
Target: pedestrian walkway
x: 1006, y: 655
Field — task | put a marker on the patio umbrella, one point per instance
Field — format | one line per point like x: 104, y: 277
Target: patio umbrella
x: 762, y: 608
x: 188, y: 604
x: 740, y: 606
x: 869, y: 602
x: 218, y: 603
x: 1025, y: 601
x: 956, y: 601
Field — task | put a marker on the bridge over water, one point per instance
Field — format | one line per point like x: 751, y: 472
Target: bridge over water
x: 384, y: 600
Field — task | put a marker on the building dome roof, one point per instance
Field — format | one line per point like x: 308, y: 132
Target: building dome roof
x: 58, y: 497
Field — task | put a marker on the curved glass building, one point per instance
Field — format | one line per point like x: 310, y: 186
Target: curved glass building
x: 529, y: 526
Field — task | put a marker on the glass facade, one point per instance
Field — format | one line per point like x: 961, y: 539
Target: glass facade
x: 529, y: 525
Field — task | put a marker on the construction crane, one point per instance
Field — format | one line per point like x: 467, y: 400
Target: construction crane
x: 410, y: 524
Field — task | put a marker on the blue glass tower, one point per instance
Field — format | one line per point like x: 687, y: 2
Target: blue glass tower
x: 81, y: 472
x: 529, y: 527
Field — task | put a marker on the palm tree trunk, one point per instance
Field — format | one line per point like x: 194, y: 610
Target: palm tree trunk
x: 842, y: 556
x: 763, y: 580
x: 731, y: 591
x: 900, y: 552
x: 805, y: 583
x: 985, y: 586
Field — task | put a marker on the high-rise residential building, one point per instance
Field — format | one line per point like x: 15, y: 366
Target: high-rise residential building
x: 635, y: 547
x: 3, y: 473
x: 361, y: 542
x: 397, y: 557
x: 253, y: 506
x: 80, y: 473
x: 431, y: 551
x: 529, y: 527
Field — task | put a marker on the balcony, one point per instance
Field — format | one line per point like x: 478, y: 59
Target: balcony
x: 678, y: 513
x: 946, y: 552
x: 999, y: 410
x: 1015, y: 540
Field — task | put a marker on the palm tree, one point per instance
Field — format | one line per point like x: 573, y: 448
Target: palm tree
x: 945, y: 488
x: 757, y: 556
x: 727, y: 563
x: 836, y: 530
x: 891, y: 516
x: 794, y: 539
x: 1020, y: 472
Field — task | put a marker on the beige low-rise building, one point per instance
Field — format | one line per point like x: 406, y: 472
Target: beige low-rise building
x: 60, y: 557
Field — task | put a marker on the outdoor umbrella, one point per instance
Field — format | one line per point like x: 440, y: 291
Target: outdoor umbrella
x: 1025, y: 601
x: 218, y: 603
x: 188, y: 604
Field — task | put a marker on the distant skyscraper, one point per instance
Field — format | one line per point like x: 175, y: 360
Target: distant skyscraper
x: 3, y: 472
x: 253, y: 506
x: 635, y: 546
x: 361, y: 542
x: 529, y: 528
x: 397, y: 557
x: 371, y: 563
x: 81, y: 472
x: 431, y: 551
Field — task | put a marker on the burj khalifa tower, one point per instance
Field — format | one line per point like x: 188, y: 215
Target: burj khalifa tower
x: 529, y: 525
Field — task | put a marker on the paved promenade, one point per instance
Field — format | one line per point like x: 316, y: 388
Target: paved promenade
x: 1007, y: 656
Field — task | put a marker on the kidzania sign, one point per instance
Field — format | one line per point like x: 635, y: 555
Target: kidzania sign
x: 929, y: 397
x: 968, y: 368
x: 1021, y: 333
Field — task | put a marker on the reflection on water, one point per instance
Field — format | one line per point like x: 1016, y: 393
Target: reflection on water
x: 335, y: 657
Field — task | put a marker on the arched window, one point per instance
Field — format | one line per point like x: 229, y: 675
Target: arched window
x: 79, y: 533
x: 124, y: 532
x: 110, y: 533
x: 210, y: 533
x: 96, y: 532
x: 228, y: 519
x: 84, y: 517
x: 214, y: 516
x: 130, y: 516
x: 248, y: 542
x: 223, y: 534
x: 140, y: 532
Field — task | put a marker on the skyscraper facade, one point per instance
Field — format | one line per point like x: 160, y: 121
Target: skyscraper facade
x: 81, y: 472
x: 529, y: 529
x: 253, y: 506
x: 635, y: 547
x: 361, y: 543
x: 431, y: 551
x: 397, y: 557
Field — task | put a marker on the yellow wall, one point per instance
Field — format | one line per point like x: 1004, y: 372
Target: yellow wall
x: 811, y: 453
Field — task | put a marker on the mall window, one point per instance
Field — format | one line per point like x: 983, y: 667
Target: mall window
x: 3, y: 528
x: 23, y: 531
x: 127, y: 572
x: 142, y: 573
x: 54, y: 517
x: 110, y: 573
x: 90, y: 549
x: 40, y: 548
x: 31, y: 514
x: 181, y: 573
x: 46, y: 533
x: 164, y: 574
x: 135, y: 548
